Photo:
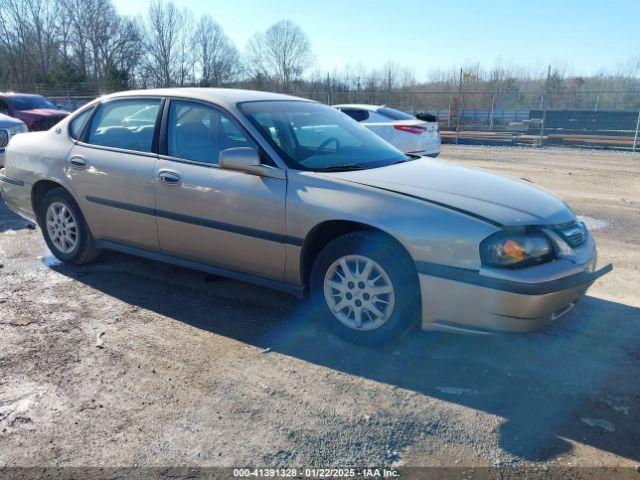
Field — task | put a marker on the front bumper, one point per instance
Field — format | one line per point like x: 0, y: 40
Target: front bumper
x: 1, y: 158
x: 468, y: 301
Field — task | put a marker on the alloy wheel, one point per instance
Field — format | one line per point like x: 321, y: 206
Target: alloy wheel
x: 359, y: 292
x: 62, y: 227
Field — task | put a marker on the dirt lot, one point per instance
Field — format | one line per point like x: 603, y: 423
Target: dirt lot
x: 128, y: 362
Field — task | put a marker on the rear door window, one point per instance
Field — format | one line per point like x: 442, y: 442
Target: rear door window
x: 128, y: 124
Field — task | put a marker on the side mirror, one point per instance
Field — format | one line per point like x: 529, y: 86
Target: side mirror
x: 246, y: 159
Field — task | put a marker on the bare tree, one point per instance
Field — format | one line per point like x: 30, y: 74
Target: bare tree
x: 216, y: 56
x: 281, y: 53
x: 28, y: 37
x: 165, y: 34
x: 100, y: 43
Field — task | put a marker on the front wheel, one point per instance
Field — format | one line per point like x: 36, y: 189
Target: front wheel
x: 365, y: 288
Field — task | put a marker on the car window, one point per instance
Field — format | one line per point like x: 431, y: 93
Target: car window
x: 77, y: 124
x: 394, y: 114
x: 4, y: 108
x: 31, y: 102
x: 144, y: 116
x: 357, y: 115
x: 375, y: 117
x: 199, y: 132
x: 111, y: 126
x: 312, y: 136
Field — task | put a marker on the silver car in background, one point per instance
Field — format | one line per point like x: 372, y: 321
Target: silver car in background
x: 292, y: 194
x: 404, y: 131
x: 9, y: 127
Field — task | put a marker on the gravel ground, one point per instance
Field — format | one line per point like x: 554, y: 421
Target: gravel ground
x: 128, y: 362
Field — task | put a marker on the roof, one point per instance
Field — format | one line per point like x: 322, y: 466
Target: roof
x: 18, y: 94
x: 360, y: 106
x: 221, y: 96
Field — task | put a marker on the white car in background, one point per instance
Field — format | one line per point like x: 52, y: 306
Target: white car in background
x: 402, y: 130
x: 9, y: 127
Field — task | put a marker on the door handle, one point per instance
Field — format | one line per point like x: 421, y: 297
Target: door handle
x: 168, y: 177
x: 78, y: 162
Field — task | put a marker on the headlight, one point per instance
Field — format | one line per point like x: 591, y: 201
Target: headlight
x: 516, y: 249
x: 16, y: 129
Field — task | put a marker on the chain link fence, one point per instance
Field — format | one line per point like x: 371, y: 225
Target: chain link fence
x: 595, y: 119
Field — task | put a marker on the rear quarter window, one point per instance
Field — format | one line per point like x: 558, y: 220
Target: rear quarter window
x: 394, y: 114
x: 76, y: 126
x: 357, y: 115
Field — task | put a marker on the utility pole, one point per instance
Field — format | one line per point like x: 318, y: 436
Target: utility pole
x: 459, y: 104
x: 328, y: 89
x: 544, y: 108
x: 493, y: 102
x: 635, y: 138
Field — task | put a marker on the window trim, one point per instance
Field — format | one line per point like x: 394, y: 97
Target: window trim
x: 164, y: 134
x: 154, y: 141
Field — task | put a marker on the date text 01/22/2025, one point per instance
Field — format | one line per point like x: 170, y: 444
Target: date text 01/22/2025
x: 315, y: 473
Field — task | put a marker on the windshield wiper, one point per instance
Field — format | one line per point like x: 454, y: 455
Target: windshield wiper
x: 408, y: 158
x: 341, y: 168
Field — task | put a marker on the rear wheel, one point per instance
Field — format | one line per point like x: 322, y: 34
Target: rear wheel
x: 365, y: 288
x: 64, y: 228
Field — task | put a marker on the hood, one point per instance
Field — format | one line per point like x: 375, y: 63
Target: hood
x: 6, y: 121
x: 39, y: 113
x: 503, y: 200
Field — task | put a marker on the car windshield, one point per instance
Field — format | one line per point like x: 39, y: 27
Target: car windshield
x: 312, y: 136
x: 31, y: 103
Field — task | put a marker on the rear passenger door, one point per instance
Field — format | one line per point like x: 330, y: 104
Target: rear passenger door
x: 112, y: 170
x: 225, y: 218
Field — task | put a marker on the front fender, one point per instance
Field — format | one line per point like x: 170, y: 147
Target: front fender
x: 430, y: 233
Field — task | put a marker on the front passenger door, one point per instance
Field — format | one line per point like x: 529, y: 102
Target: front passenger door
x: 225, y: 218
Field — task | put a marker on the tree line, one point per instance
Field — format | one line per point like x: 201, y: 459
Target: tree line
x: 80, y: 43
x: 74, y: 41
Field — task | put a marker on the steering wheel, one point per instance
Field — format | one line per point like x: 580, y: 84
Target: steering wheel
x: 326, y: 143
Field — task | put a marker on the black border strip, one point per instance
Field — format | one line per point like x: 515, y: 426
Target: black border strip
x: 12, y: 181
x: 473, y: 277
x: 122, y: 205
x: 202, y: 222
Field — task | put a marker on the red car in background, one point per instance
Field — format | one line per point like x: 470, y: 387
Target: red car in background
x: 34, y: 110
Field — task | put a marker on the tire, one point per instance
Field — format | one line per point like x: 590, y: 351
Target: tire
x: 386, y: 257
x: 84, y: 249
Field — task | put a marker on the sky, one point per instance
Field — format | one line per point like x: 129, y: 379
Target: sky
x: 588, y: 36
